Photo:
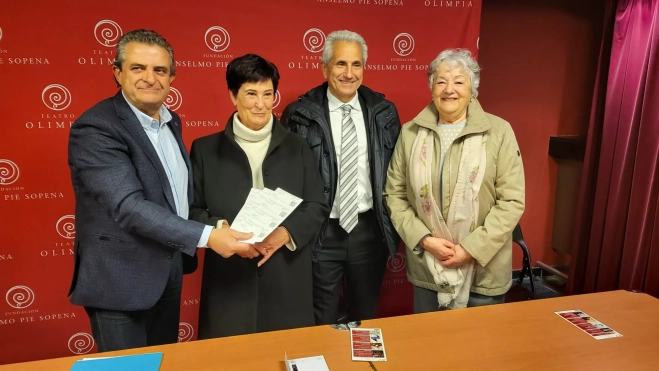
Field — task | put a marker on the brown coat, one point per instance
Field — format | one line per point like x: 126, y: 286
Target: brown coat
x: 501, y: 198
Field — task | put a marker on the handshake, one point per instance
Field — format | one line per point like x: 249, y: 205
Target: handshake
x: 227, y: 242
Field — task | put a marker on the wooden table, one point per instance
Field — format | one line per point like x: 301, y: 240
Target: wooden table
x: 516, y: 336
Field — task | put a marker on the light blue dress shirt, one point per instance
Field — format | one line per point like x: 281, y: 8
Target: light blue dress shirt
x: 168, y: 151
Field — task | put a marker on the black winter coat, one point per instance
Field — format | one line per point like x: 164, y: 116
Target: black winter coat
x: 237, y: 297
x: 309, y: 117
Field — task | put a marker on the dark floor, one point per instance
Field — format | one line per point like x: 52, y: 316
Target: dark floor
x: 523, y: 292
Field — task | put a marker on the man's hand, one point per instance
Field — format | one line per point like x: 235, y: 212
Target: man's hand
x: 439, y: 248
x: 226, y: 242
x: 249, y: 254
x: 461, y: 257
x: 278, y: 238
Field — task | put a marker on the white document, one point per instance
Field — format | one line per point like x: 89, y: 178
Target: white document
x: 367, y: 344
x: 263, y: 211
x: 316, y: 363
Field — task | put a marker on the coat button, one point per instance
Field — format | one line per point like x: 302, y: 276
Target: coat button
x: 326, y: 189
x: 325, y: 153
x: 169, y: 255
x: 265, y: 173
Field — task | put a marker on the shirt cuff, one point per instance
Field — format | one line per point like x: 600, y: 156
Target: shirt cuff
x: 205, y: 235
x: 291, y: 245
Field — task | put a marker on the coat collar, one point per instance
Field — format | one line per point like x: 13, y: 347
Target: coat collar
x: 318, y: 96
x: 130, y: 121
x: 279, y: 133
x: 477, y: 120
x: 144, y: 119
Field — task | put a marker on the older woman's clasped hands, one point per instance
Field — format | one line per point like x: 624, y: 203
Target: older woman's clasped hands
x: 440, y: 248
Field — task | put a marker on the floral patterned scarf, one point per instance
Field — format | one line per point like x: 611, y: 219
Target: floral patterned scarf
x: 463, y: 209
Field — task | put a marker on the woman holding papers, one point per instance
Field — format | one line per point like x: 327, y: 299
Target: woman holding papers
x: 455, y: 191
x: 270, y: 286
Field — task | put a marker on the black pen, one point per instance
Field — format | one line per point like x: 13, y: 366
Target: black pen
x: 372, y: 366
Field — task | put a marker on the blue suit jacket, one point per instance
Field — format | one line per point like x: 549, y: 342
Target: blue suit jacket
x: 126, y: 223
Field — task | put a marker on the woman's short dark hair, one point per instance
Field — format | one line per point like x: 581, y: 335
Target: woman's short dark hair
x: 250, y: 68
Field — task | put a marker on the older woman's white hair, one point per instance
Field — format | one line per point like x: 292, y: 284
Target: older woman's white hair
x: 343, y: 35
x: 457, y: 58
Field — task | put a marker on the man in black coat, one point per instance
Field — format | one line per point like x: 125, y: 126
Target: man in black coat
x: 352, y: 131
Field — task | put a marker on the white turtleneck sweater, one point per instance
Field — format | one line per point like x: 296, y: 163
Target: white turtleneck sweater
x: 255, y: 144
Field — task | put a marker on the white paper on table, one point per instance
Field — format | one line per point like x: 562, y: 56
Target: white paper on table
x: 367, y: 344
x: 316, y: 363
x: 588, y: 324
x: 263, y: 211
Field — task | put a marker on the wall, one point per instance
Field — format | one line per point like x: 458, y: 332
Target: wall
x: 55, y: 63
x: 538, y: 60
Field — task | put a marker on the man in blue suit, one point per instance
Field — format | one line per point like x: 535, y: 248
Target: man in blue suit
x: 132, y: 180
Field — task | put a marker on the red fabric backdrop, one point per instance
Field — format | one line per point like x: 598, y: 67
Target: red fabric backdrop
x: 55, y: 62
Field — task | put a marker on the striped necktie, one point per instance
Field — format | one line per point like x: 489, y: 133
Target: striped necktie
x: 348, y: 176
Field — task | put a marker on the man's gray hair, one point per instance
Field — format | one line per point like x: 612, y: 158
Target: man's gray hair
x: 148, y: 37
x: 457, y: 58
x: 344, y: 35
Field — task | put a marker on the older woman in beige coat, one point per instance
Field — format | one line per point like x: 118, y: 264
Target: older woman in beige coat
x: 455, y: 191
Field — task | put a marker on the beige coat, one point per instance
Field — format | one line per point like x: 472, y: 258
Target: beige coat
x: 501, y: 198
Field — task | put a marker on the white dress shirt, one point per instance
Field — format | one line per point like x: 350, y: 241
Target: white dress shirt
x: 364, y: 192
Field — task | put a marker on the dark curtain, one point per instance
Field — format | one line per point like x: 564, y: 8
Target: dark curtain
x: 615, y: 244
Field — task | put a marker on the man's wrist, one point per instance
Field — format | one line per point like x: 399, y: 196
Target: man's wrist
x: 205, y: 237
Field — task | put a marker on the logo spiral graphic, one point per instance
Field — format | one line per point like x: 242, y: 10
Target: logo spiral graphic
x: 56, y: 97
x: 174, y: 99
x: 277, y: 100
x: 81, y: 343
x: 19, y: 297
x: 396, y: 264
x: 107, y: 32
x: 313, y: 40
x: 403, y: 44
x: 66, y: 226
x: 8, y: 172
x: 217, y: 39
x: 185, y: 332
